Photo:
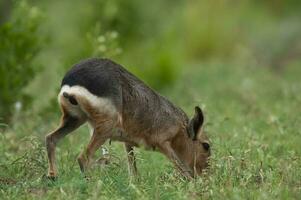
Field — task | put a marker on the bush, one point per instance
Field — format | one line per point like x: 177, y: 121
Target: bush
x: 19, y: 45
x: 129, y: 33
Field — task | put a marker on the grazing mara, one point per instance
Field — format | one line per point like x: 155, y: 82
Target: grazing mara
x: 119, y: 106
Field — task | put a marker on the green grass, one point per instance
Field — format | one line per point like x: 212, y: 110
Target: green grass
x: 253, y: 120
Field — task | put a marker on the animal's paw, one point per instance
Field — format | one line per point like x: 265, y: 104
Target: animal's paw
x: 87, y: 178
x: 52, y: 176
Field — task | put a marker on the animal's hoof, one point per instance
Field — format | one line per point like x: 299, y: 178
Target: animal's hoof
x: 87, y: 178
x: 134, y: 178
x: 51, y: 176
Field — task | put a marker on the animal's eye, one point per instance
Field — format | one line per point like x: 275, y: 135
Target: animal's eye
x: 206, y: 146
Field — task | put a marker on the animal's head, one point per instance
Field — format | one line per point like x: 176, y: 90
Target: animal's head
x: 192, y: 146
x: 200, y: 146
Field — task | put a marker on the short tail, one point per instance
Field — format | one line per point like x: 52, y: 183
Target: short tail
x: 71, y: 98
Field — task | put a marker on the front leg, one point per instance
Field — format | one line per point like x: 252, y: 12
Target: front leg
x: 131, y: 159
x: 167, y: 149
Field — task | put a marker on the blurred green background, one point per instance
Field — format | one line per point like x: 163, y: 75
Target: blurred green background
x: 157, y: 40
x: 240, y: 60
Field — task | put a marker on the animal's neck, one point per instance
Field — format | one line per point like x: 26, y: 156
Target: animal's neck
x: 182, y: 145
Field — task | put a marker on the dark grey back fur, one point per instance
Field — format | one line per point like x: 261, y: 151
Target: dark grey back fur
x: 138, y: 103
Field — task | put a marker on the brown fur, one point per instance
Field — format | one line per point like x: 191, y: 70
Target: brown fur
x: 142, y: 117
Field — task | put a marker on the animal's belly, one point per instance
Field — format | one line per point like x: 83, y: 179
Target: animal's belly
x: 133, y: 140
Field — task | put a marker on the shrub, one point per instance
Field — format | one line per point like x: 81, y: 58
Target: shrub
x: 19, y: 45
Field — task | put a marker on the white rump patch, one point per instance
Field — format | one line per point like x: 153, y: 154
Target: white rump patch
x: 101, y: 104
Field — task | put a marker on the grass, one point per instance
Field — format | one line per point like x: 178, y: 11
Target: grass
x: 253, y: 120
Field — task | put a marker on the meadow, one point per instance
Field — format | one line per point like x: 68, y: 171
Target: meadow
x: 252, y: 118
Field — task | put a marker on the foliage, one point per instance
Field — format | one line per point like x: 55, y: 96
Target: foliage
x: 20, y: 43
x: 114, y: 33
x: 118, y: 15
x: 105, y: 45
x: 244, y: 31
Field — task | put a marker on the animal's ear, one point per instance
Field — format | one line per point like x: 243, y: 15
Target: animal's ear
x: 195, y: 124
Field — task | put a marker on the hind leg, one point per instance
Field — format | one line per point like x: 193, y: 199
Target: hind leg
x: 99, y: 137
x: 68, y: 124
